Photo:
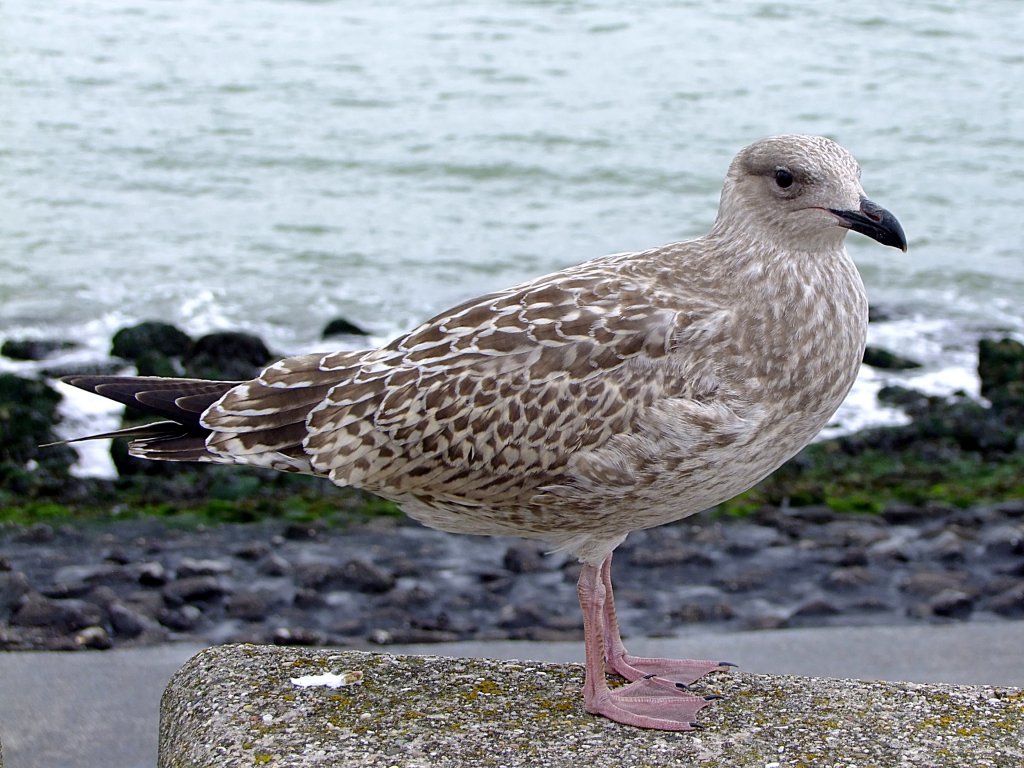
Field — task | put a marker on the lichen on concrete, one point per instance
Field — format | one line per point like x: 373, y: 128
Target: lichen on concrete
x: 236, y: 706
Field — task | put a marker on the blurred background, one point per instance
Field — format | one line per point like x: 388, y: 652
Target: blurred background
x: 271, y: 164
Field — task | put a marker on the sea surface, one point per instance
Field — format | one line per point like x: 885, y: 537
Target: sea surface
x: 268, y: 165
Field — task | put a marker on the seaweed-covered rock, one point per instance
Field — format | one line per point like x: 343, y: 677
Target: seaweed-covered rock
x: 158, y: 364
x: 1000, y: 364
x: 877, y: 314
x: 28, y: 414
x: 149, y: 338
x: 224, y: 355
x: 1001, y: 370
x: 877, y: 357
x: 227, y: 355
x: 954, y: 450
x: 339, y: 326
x: 972, y: 426
x: 908, y: 399
x: 965, y: 424
x: 33, y: 349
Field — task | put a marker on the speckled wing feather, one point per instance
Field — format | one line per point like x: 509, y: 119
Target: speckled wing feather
x: 488, y: 405
x: 263, y: 422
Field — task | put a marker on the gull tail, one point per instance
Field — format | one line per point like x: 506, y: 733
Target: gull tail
x: 181, y: 402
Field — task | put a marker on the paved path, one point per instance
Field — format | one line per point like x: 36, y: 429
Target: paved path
x: 78, y: 710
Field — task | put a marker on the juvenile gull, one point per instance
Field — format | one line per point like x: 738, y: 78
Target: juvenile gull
x: 624, y: 393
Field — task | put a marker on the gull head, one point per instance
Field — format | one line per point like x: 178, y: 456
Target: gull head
x: 801, y: 193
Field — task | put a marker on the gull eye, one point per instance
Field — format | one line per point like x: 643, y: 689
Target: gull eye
x: 783, y: 178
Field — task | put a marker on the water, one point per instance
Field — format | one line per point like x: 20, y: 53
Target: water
x: 267, y: 165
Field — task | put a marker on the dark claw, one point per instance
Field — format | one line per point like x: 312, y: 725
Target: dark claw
x: 696, y: 726
x: 684, y: 686
x: 727, y: 664
x: 713, y: 697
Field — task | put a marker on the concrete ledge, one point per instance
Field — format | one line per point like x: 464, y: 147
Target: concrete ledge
x: 237, y: 706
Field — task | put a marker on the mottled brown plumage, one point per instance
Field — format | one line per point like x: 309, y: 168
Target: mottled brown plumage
x: 623, y: 393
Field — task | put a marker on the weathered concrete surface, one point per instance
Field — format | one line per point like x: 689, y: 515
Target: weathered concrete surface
x: 236, y: 706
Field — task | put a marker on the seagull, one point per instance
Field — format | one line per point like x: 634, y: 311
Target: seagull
x: 623, y: 393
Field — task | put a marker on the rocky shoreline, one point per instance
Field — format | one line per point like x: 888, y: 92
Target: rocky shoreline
x: 918, y: 523
x: 389, y: 581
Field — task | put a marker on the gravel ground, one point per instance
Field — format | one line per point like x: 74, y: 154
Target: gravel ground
x: 141, y: 582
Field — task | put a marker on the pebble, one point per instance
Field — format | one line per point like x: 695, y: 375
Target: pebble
x: 13, y: 585
x: 94, y: 637
x: 64, y: 616
x: 948, y: 546
x: 127, y: 623
x: 902, y: 514
x: 817, y: 607
x: 524, y: 557
x: 363, y: 576
x: 952, y: 603
x: 675, y: 554
x: 253, y: 550
x: 699, y: 605
x: 1004, y: 540
x: 183, y: 619
x: 249, y: 605
x: 1013, y: 508
x: 193, y: 589
x: 37, y: 533
x: 308, y: 599
x: 85, y: 576
x: 151, y: 574
x: 273, y: 565
x: 750, y: 539
x: 851, y: 578
x: 1010, y: 603
x: 207, y: 567
x: 296, y: 636
x: 931, y: 583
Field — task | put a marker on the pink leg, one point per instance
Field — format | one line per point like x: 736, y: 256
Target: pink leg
x: 621, y: 662
x: 649, y: 702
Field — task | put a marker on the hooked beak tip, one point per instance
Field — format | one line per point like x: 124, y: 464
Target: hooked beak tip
x: 874, y: 221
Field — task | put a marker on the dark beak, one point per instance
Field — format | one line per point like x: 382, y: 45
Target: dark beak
x: 875, y: 222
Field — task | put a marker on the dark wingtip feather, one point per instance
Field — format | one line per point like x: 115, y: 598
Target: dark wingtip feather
x: 181, y: 400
